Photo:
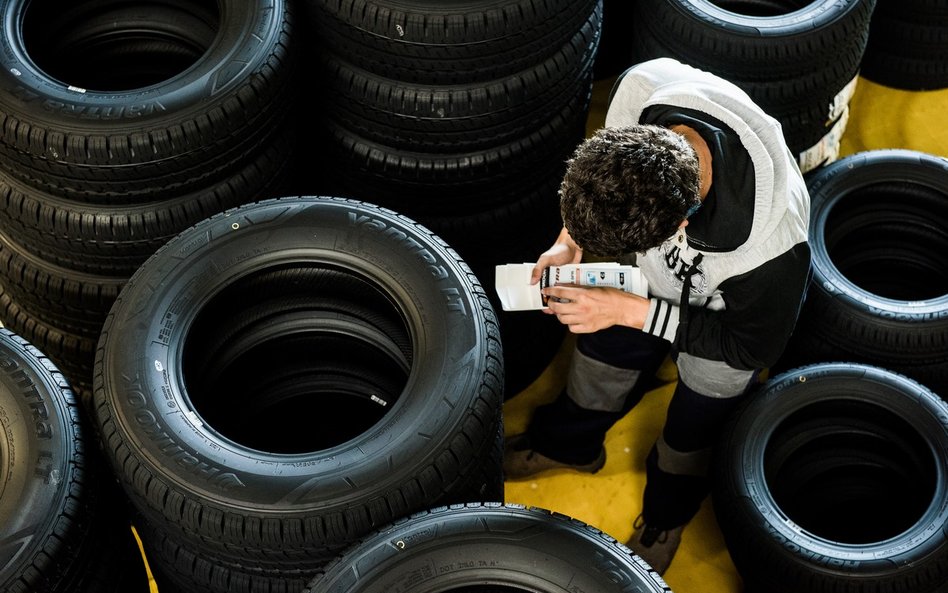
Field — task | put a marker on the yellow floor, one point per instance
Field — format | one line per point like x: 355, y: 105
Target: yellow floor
x: 880, y: 117
x: 611, y: 499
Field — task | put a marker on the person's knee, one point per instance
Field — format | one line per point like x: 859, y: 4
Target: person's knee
x: 714, y: 378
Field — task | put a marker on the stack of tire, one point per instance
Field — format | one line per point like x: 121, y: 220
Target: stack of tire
x: 835, y: 474
x: 834, y: 477
x: 64, y: 525
x: 287, y: 376
x: 908, y: 45
x: 461, y: 117
x: 123, y: 124
x: 798, y: 60
x: 879, y: 291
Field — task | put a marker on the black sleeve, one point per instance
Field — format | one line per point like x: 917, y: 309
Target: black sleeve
x: 761, y: 309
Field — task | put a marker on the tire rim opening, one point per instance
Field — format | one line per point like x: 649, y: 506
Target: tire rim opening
x: 117, y: 46
x: 296, y: 359
x: 890, y: 239
x: 850, y: 471
x: 760, y: 8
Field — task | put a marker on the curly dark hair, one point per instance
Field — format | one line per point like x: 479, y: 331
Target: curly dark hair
x: 628, y: 189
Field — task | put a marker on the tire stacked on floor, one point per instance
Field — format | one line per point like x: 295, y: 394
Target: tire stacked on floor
x: 526, y: 549
x: 879, y: 290
x: 908, y: 45
x: 289, y: 375
x: 798, y: 60
x: 834, y: 477
x: 462, y: 117
x: 123, y: 124
x: 63, y: 524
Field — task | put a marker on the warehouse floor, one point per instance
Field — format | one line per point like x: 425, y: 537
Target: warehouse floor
x: 880, y: 117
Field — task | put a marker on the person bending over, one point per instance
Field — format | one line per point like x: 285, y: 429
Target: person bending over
x: 693, y: 183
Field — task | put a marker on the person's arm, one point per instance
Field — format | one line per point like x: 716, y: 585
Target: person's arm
x: 585, y: 309
x: 761, y: 309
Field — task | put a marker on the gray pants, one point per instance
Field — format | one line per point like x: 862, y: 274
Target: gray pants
x: 609, y: 373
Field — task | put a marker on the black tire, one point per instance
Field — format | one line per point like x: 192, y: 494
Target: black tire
x: 113, y: 99
x: 908, y: 46
x: 44, y: 499
x: 516, y: 232
x: 794, y: 58
x: 832, y: 477
x: 58, y: 310
x: 286, y: 505
x: 448, y: 42
x: 488, y: 548
x: 74, y: 301
x: 73, y: 353
x: 424, y: 184
x: 879, y: 291
x: 749, y: 40
x: 461, y: 116
x: 115, y: 238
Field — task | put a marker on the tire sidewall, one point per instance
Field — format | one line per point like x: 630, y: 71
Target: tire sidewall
x: 246, y: 28
x: 815, y: 16
x: 151, y: 405
x: 450, y: 548
x: 834, y: 183
x: 37, y: 442
x: 747, y: 484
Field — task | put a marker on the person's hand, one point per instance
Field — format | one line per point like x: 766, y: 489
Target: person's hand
x: 564, y: 251
x: 587, y: 309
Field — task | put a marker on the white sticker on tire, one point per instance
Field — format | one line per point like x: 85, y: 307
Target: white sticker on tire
x: 827, y: 149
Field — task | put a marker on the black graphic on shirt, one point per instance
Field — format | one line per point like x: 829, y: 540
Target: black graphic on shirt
x: 681, y: 269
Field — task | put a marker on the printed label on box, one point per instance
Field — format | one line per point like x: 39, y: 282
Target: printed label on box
x: 512, y: 281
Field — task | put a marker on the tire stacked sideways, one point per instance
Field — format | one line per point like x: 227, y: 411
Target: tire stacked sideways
x: 122, y: 124
x: 798, y: 60
x: 834, y: 477
x: 526, y: 549
x: 63, y: 525
x: 284, y: 377
x: 462, y: 117
x: 879, y: 290
x: 908, y: 45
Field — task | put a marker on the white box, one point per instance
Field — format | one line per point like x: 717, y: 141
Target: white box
x: 512, y: 281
